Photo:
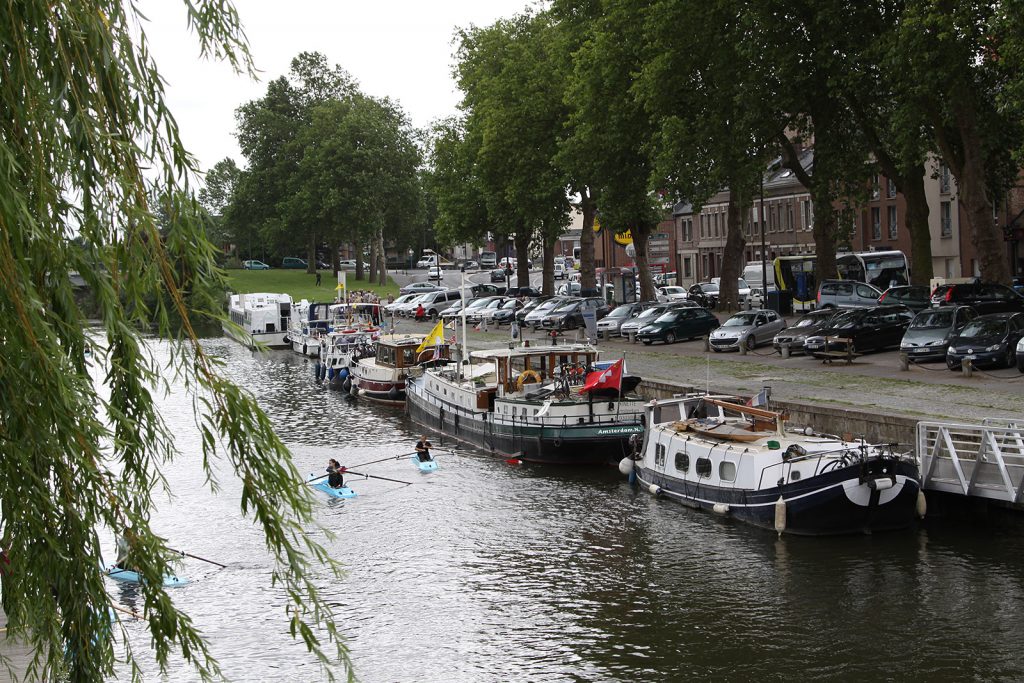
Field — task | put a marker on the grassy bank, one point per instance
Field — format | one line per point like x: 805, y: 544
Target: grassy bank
x: 300, y: 284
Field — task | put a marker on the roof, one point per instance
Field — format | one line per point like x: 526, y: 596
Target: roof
x: 531, y: 351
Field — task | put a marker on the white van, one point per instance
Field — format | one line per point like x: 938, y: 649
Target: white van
x: 560, y: 270
x: 752, y: 275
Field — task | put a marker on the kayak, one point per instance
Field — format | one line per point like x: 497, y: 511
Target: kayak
x: 343, y: 492
x: 427, y: 466
x: 132, y: 577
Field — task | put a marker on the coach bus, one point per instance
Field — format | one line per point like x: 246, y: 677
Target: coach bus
x: 796, y: 274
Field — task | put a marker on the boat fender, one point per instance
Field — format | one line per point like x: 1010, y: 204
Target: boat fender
x: 342, y: 373
x: 303, y: 349
x: 346, y: 385
x: 393, y: 393
x: 780, y: 515
x: 881, y: 484
x: 922, y: 505
x: 721, y: 508
x: 330, y: 373
x: 353, y: 391
x: 654, y: 489
x: 321, y: 371
x: 557, y: 443
x: 626, y: 466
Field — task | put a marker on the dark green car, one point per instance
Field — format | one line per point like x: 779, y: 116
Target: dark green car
x: 678, y: 323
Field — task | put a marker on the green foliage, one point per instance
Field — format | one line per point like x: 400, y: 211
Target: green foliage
x: 83, y: 117
x: 300, y: 284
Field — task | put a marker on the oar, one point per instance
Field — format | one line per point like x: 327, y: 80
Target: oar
x: 196, y: 557
x: 374, y: 462
x: 374, y: 476
x: 133, y: 613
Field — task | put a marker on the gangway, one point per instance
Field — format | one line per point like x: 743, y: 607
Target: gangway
x: 985, y: 461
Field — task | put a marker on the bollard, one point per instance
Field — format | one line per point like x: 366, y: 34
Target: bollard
x: 967, y: 366
x: 904, y: 362
x: 632, y: 336
x: 707, y: 343
x: 785, y: 350
x: 742, y: 347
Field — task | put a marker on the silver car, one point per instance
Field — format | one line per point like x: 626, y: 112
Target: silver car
x: 536, y: 316
x: 610, y: 325
x: 749, y: 329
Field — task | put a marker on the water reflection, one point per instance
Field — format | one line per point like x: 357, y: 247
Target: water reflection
x: 484, y: 571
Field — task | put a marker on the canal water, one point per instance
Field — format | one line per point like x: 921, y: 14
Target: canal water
x: 485, y: 571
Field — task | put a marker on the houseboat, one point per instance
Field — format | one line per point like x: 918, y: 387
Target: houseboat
x: 742, y: 461
x: 354, y: 329
x: 526, y: 403
x: 259, y: 319
x: 382, y: 378
x: 310, y: 322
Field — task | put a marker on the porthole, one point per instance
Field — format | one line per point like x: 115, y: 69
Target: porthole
x: 682, y: 462
x: 703, y: 467
x: 727, y: 471
x: 794, y: 475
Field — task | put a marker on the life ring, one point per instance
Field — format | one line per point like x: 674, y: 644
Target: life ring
x: 425, y: 355
x: 531, y: 375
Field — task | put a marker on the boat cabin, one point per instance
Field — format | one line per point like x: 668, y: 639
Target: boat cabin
x: 355, y: 314
x: 399, y: 351
x: 519, y: 367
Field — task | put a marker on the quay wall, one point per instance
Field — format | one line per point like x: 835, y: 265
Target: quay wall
x: 872, y: 426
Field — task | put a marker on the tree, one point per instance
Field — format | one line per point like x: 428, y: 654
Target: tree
x: 611, y: 130
x: 79, y: 136
x: 216, y: 195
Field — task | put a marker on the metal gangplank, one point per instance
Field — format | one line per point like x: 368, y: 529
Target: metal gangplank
x: 986, y: 460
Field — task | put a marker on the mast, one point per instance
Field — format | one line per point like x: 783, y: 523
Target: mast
x: 465, y: 339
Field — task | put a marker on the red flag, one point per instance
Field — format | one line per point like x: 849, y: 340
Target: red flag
x: 605, y: 379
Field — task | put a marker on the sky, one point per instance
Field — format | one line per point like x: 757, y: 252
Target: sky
x: 396, y: 48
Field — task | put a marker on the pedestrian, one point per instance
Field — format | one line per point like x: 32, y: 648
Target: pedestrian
x: 318, y: 278
x: 420, y: 313
x: 123, y: 548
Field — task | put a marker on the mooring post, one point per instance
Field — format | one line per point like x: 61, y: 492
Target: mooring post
x: 784, y: 350
x: 904, y: 362
x: 968, y: 367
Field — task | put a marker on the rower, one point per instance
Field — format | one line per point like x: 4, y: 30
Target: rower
x: 423, y: 449
x: 335, y: 477
x: 123, y: 548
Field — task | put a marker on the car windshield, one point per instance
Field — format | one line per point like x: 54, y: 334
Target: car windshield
x: 550, y: 304
x: 495, y: 303
x: 984, y: 328
x: 479, y: 302
x: 847, y: 320
x: 743, y: 284
x: 669, y: 316
x: 741, y: 320
x: 674, y: 290
x: 567, y: 307
x: 404, y: 298
x: 809, y: 320
x: 933, y: 319
x: 620, y: 312
x: 709, y: 288
x: 651, y: 312
x: 511, y: 303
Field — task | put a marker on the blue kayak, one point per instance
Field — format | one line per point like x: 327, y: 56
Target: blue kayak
x: 343, y: 492
x: 132, y: 577
x: 424, y: 465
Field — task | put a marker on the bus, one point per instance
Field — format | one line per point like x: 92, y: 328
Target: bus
x: 796, y: 274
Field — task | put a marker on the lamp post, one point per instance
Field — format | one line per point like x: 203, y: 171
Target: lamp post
x: 764, y: 263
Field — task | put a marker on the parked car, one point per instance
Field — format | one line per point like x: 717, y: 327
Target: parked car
x: 569, y: 316
x: 569, y: 289
x: 255, y: 265
x: 749, y: 329
x: 678, y: 323
x: 526, y: 292
x: 1018, y: 285
x: 403, y: 299
x: 408, y: 309
x: 528, y: 307
x: 846, y: 294
x: 807, y: 325
x: 868, y: 329
x: 469, y: 265
x: 436, y: 303
x: 418, y: 288
x: 982, y: 297
x: 610, y: 325
x: 456, y: 310
x: 915, y: 297
x: 704, y: 293
x: 350, y: 264
x: 435, y: 273
x: 293, y: 263
x: 742, y: 288
x: 498, y: 275
x: 560, y: 271
x: 486, y: 309
x: 671, y: 293
x: 1020, y: 355
x: 988, y: 340
x: 756, y: 298
x: 648, y: 315
x: 536, y: 316
x: 484, y: 290
x: 929, y: 333
x: 506, y: 313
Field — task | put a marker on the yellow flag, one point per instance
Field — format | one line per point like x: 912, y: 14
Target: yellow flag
x: 435, y: 337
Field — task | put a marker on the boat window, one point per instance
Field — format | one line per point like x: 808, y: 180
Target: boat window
x: 408, y: 356
x: 682, y: 462
x: 667, y: 413
x: 794, y: 475
x: 727, y: 471
x: 703, y: 467
x: 659, y: 455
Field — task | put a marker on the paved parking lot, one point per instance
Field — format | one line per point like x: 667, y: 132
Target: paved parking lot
x: 873, y: 381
